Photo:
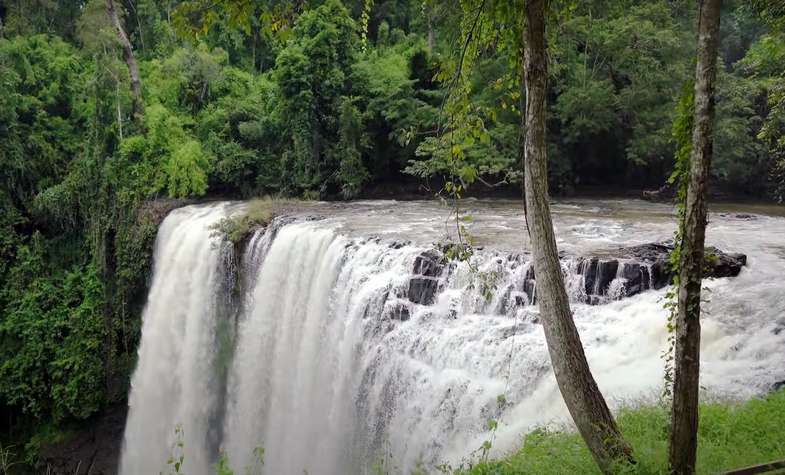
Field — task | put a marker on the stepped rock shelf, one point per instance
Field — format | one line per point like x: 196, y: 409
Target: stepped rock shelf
x: 602, y: 278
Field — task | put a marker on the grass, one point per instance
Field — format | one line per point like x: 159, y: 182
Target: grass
x: 729, y: 436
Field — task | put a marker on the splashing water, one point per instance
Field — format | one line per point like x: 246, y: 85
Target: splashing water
x: 320, y: 348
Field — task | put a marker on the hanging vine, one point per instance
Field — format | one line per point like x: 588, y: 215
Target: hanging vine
x: 682, y: 136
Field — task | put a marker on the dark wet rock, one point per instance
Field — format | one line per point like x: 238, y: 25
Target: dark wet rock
x: 778, y: 385
x: 154, y: 211
x: 637, y: 277
x: 725, y: 265
x: 621, y: 273
x: 428, y: 264
x: 399, y: 244
x: 422, y: 289
x: 424, y: 283
x: 742, y: 216
x: 650, y: 252
x: 598, y: 274
x: 94, y: 450
x: 594, y: 300
x: 646, y: 266
x: 399, y: 311
x: 529, y: 287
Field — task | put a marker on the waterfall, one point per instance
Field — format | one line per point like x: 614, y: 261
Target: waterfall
x: 175, y: 379
x: 337, y: 353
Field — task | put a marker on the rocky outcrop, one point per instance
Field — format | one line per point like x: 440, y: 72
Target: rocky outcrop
x: 154, y: 211
x: 94, y: 451
x: 425, y: 280
x: 645, y: 267
x: 399, y: 310
x: 617, y: 274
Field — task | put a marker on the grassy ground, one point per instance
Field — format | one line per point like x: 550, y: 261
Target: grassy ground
x: 729, y: 436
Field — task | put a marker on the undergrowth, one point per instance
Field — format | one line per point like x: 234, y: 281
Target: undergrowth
x: 259, y: 212
x: 729, y: 436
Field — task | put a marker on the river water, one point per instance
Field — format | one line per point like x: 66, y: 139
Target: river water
x: 307, y: 345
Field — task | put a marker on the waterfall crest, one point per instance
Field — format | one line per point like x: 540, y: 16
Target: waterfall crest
x: 338, y: 353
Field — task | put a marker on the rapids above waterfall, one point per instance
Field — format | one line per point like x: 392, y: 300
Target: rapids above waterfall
x: 312, y: 344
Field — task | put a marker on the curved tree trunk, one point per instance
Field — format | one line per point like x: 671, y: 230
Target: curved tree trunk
x: 684, y: 414
x: 130, y: 61
x: 576, y: 383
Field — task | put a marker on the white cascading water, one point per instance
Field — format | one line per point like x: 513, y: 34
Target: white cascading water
x: 173, y: 381
x: 325, y: 362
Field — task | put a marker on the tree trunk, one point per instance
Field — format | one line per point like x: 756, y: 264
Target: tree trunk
x: 431, y: 39
x: 130, y: 61
x: 576, y: 383
x: 684, y: 414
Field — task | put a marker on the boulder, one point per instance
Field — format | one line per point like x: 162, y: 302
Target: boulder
x: 428, y: 264
x: 725, y: 265
x: 646, y: 267
x: 425, y: 280
x: 598, y: 274
x: 637, y: 277
x: 422, y: 289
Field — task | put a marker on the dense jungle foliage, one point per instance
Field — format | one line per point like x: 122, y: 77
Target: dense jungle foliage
x: 311, y: 99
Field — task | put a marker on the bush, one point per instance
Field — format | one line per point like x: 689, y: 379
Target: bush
x: 235, y: 228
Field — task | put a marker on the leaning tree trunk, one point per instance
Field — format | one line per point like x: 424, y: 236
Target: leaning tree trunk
x: 576, y: 383
x: 130, y: 61
x: 684, y: 414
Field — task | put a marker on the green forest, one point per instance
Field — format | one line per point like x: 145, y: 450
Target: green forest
x: 315, y: 100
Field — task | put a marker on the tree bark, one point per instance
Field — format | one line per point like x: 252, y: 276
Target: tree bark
x: 684, y: 413
x: 576, y: 383
x: 431, y: 39
x: 130, y: 61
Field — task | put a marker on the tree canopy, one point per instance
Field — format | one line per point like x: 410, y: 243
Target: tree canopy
x: 316, y: 99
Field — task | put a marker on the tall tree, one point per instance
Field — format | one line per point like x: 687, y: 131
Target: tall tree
x: 684, y: 414
x: 576, y: 383
x: 130, y: 61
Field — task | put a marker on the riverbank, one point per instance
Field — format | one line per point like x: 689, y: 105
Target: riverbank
x: 730, y: 436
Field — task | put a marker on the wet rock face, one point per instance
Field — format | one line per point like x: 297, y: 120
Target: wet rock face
x: 719, y: 263
x: 425, y: 282
x: 428, y: 264
x: 598, y: 274
x: 621, y: 273
x: 726, y: 265
x: 646, y: 267
x: 399, y: 311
